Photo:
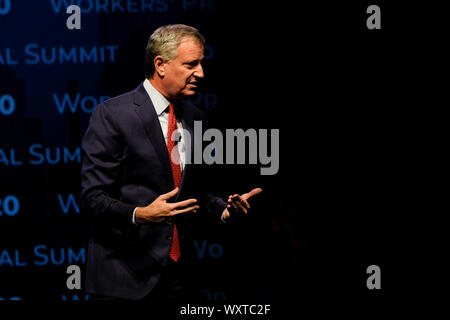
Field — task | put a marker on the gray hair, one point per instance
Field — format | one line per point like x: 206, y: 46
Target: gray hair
x: 164, y: 42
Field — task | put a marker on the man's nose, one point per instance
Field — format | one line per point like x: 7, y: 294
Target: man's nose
x: 199, y: 72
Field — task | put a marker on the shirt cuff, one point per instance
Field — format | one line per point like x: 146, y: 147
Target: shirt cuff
x: 221, y: 217
x: 133, y: 219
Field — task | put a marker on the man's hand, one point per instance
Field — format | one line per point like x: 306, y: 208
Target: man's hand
x: 238, y: 204
x: 162, y: 211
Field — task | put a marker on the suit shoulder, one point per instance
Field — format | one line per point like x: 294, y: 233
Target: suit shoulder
x: 116, y: 109
x: 117, y: 103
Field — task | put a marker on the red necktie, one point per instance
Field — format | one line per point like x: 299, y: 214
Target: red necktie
x: 174, y: 252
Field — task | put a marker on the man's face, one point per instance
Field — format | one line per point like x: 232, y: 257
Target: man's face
x: 183, y: 72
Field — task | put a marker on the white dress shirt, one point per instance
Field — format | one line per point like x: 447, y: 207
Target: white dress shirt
x: 161, y: 105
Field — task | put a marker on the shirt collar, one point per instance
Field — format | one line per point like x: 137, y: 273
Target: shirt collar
x: 159, y: 101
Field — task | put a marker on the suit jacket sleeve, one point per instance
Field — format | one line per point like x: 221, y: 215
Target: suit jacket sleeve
x: 103, y: 150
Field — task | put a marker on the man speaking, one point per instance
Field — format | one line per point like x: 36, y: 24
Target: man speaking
x: 137, y: 187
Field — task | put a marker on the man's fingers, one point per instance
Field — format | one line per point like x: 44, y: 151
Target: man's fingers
x: 232, y: 204
x: 245, y: 203
x: 168, y: 195
x: 184, y: 203
x: 239, y: 199
x: 239, y: 205
x: 252, y: 193
x: 188, y: 209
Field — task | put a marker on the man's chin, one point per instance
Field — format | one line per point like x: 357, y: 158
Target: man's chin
x: 189, y: 93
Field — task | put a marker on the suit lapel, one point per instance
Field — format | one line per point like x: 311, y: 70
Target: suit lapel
x: 146, y: 111
x: 188, y: 125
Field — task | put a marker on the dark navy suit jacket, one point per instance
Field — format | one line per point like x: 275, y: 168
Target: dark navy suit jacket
x: 125, y: 165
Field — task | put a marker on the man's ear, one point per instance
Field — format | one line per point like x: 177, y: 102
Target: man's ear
x: 160, y: 65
